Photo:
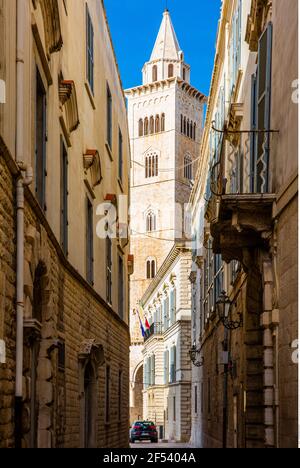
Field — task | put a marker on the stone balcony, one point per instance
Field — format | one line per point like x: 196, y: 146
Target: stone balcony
x: 241, y: 222
x: 239, y: 208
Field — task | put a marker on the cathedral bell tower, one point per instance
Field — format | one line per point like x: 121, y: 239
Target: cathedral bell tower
x: 165, y: 117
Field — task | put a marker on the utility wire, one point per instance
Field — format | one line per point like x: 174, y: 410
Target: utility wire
x: 152, y: 237
x: 169, y: 169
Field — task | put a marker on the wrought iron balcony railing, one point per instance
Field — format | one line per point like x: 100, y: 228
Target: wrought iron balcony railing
x: 155, y: 329
x: 241, y: 163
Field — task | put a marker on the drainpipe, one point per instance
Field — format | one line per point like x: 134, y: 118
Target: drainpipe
x: 23, y: 180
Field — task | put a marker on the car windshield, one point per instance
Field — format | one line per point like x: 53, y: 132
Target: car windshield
x: 144, y: 424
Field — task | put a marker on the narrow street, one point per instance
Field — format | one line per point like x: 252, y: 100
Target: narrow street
x: 149, y: 227
x: 164, y: 445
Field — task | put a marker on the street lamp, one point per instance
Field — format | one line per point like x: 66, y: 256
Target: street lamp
x: 223, y: 305
x: 193, y: 355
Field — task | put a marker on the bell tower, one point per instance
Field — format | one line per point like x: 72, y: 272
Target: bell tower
x: 165, y: 116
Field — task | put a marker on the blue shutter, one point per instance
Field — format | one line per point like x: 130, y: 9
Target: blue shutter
x: 165, y: 317
x: 153, y: 370
x: 173, y: 306
x: 165, y: 367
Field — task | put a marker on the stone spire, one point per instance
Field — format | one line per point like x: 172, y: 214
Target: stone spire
x: 167, y: 58
x: 166, y: 45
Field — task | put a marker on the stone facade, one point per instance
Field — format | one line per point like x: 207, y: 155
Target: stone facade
x: 158, y: 112
x: 245, y: 225
x: 75, y: 338
x: 167, y: 364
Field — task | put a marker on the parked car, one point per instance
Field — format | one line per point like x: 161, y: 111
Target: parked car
x: 143, y: 430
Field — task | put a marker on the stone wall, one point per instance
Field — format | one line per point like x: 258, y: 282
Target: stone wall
x: 72, y: 313
x: 7, y: 299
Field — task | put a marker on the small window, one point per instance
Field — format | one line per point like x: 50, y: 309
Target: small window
x: 109, y: 270
x: 151, y: 125
x: 157, y: 124
x: 163, y: 123
x: 174, y: 408
x: 184, y: 74
x: 40, y: 141
x: 195, y: 127
x: 141, y: 128
x: 188, y: 128
x: 151, y: 165
x: 151, y: 269
x: 146, y: 126
x: 121, y: 287
x: 184, y: 126
x: 90, y: 243
x: 64, y: 198
x: 154, y: 73
x: 109, y: 116
x: 151, y: 222
x: 120, y: 155
x: 171, y: 70
x: 188, y: 168
x: 61, y: 356
x: 90, y: 49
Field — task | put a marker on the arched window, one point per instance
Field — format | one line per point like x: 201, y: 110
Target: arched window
x: 195, y: 127
x: 184, y: 125
x: 188, y: 167
x: 141, y: 127
x: 157, y: 124
x: 151, y: 222
x: 151, y: 165
x: 151, y: 268
x: 163, y: 123
x: 188, y: 128
x: 170, y: 70
x: 151, y: 125
x: 191, y: 130
x: 146, y: 126
x: 184, y: 74
x: 154, y: 73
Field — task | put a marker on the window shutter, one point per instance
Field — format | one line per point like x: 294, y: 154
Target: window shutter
x: 253, y: 135
x: 173, y: 306
x: 165, y: 367
x: 264, y: 74
x: 168, y: 366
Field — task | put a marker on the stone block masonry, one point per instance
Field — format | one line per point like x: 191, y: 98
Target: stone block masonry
x: 76, y: 329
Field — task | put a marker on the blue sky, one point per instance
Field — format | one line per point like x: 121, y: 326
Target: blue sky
x: 134, y: 26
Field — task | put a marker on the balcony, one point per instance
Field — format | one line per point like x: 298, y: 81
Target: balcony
x: 156, y: 329
x: 239, y: 198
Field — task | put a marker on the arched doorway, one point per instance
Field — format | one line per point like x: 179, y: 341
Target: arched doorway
x: 136, y: 412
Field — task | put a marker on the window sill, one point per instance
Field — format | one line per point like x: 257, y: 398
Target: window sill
x: 152, y: 134
x: 90, y: 94
x: 108, y: 149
